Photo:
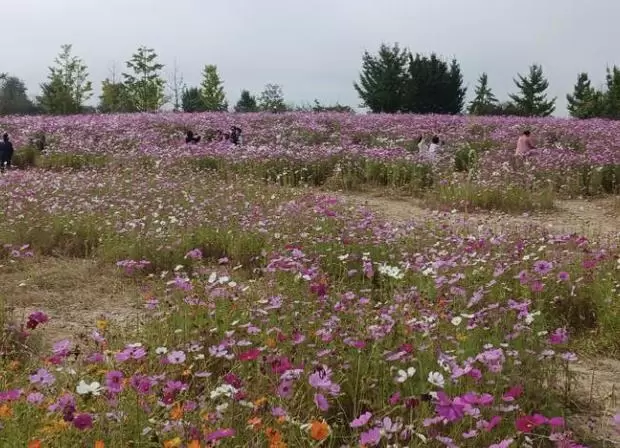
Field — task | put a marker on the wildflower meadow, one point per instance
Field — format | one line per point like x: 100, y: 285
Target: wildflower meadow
x: 271, y: 307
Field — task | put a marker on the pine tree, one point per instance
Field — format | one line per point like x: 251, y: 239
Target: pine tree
x: 272, y: 99
x: 191, y: 100
x: 485, y: 102
x: 532, y: 100
x: 213, y: 96
x: 433, y: 86
x: 612, y: 95
x: 144, y: 84
x: 455, y: 92
x: 68, y: 86
x: 246, y: 103
x: 383, y: 79
x: 13, y: 97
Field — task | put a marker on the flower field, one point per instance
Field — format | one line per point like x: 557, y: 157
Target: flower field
x: 276, y: 313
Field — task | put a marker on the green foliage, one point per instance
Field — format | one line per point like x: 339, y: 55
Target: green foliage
x: 612, y: 96
x: 68, y: 86
x: 191, y: 100
x: 383, y: 79
x: 246, y: 103
x: 272, y: 99
x: 212, y: 90
x: 114, y: 98
x: 581, y: 104
x: 433, y: 86
x: 318, y: 107
x: 532, y: 99
x: 13, y: 97
x: 485, y: 102
x: 144, y: 84
x: 25, y: 157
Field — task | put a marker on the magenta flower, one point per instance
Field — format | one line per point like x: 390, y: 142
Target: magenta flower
x: 513, y: 393
x: 220, y: 434
x: 528, y: 423
x: 83, y: 421
x: 362, y: 420
x: 10, y: 395
x: 559, y: 336
x: 177, y: 357
x: 35, y: 319
x: 371, y: 437
x: 114, y: 381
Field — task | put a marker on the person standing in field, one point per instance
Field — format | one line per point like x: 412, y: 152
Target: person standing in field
x: 6, y: 152
x: 524, y: 146
x: 433, y: 149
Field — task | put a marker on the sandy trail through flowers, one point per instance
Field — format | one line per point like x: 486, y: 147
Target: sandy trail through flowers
x: 591, y: 218
x: 597, y: 380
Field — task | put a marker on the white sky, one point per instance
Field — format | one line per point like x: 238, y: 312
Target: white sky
x: 313, y: 48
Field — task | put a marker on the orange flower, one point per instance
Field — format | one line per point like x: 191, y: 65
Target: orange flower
x: 34, y: 444
x: 275, y: 438
x: 194, y: 444
x: 255, y: 422
x: 176, y: 413
x: 173, y: 443
x: 5, y: 411
x: 319, y: 430
x: 271, y: 343
x: 99, y: 444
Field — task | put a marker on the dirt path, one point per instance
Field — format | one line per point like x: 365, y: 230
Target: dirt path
x: 597, y: 381
x: 592, y: 218
x: 74, y: 293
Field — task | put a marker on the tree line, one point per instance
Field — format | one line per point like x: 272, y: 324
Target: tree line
x: 392, y: 80
x: 395, y: 80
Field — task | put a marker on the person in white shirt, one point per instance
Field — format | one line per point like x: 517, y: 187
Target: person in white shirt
x: 433, y: 149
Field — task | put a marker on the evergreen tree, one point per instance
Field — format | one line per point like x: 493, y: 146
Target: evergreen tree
x: 13, y: 97
x: 532, y: 100
x: 272, y: 99
x: 191, y: 100
x: 144, y: 84
x: 485, y: 102
x: 383, y: 79
x: 433, y: 86
x: 586, y: 101
x: 455, y: 92
x: 213, y: 96
x: 68, y: 86
x: 246, y: 103
x: 612, y: 95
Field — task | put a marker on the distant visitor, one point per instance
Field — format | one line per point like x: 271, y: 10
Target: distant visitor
x: 524, y: 146
x: 191, y: 139
x: 235, y: 135
x: 6, y: 152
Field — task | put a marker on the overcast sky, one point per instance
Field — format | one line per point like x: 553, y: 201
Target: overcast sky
x: 313, y: 48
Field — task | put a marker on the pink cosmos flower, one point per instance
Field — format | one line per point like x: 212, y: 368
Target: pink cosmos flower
x: 177, y: 357
x: 528, y: 423
x: 559, y: 336
x: 42, y: 377
x: 371, y: 437
x: 513, y: 393
x: 563, y: 276
x: 220, y: 434
x: 362, y: 420
x: 321, y: 402
x: 35, y: 319
x: 114, y: 381
x: 250, y: 355
x: 503, y: 444
x: 543, y: 267
x: 35, y: 398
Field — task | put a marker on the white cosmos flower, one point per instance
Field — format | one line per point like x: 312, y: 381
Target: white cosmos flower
x: 436, y: 379
x: 456, y: 321
x: 161, y: 350
x: 84, y: 388
x: 404, y: 375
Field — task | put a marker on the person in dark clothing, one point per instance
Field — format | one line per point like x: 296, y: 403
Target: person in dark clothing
x: 6, y: 152
x: 191, y: 139
x: 235, y: 135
